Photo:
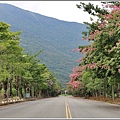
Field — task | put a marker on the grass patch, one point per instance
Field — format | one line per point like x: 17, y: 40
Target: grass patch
x: 109, y: 100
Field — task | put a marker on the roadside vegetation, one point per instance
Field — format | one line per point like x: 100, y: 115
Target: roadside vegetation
x: 98, y: 74
x: 22, y: 74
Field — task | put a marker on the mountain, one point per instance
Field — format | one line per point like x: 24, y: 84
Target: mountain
x: 55, y: 37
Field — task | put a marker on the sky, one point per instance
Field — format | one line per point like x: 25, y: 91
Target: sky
x: 62, y: 10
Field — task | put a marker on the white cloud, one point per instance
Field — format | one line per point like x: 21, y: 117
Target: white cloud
x: 63, y: 10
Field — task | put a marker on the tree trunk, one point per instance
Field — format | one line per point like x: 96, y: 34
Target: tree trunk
x: 40, y: 94
x: 16, y: 90
x: 21, y: 94
x: 5, y: 89
x: 96, y: 94
x: 118, y: 90
x: 43, y: 94
x: 11, y: 93
x: 24, y: 91
x: 47, y: 93
x: 17, y: 85
x: 105, y: 88
x: 32, y: 92
x: 100, y: 91
x: 113, y: 96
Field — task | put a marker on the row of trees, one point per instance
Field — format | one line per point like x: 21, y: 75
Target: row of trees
x: 21, y: 72
x: 99, y: 70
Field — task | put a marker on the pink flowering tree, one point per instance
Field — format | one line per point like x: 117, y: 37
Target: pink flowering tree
x: 75, y: 84
x: 101, y: 57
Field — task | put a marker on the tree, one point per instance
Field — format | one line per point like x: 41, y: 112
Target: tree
x: 103, y: 38
x: 10, y: 48
x: 104, y: 33
x: 21, y: 71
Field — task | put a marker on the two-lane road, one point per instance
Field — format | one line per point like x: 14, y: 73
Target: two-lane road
x: 61, y: 107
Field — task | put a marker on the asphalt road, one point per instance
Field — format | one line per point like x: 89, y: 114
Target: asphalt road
x: 61, y: 107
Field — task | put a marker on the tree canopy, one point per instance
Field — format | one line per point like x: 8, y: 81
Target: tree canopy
x: 99, y: 68
x: 21, y: 72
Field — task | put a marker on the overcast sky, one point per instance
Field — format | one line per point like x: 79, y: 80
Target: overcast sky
x: 62, y: 10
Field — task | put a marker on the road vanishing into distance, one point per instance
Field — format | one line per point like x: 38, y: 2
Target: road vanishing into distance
x: 61, y: 107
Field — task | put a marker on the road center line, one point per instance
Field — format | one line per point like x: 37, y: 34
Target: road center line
x: 68, y: 113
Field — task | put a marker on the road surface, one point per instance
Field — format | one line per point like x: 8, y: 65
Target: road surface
x: 61, y: 107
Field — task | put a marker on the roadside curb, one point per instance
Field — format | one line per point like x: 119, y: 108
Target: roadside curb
x: 14, y: 100
x: 5, y: 102
x: 10, y: 101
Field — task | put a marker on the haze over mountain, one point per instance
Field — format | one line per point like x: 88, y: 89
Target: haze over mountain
x: 55, y: 37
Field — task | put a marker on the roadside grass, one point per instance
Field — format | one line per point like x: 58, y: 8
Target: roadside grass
x: 64, y: 95
x: 107, y: 99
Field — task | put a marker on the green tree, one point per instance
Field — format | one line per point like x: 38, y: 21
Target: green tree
x: 20, y: 71
x: 9, y: 44
x: 106, y: 59
x: 101, y: 58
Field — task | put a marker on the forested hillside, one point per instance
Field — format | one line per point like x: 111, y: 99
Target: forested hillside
x: 55, y: 37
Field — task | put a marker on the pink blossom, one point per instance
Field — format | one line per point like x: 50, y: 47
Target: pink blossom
x: 110, y: 50
x: 92, y: 66
x: 75, y: 84
x: 79, y: 60
x: 104, y: 21
x: 118, y: 24
x: 108, y: 67
x: 77, y: 72
x: 117, y: 43
x: 83, y: 38
x: 111, y: 6
x: 108, y: 16
x: 107, y: 6
x: 84, y: 49
x: 73, y: 50
x: 110, y: 33
x: 101, y: 25
x: 79, y: 49
x: 116, y: 8
x: 104, y: 67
